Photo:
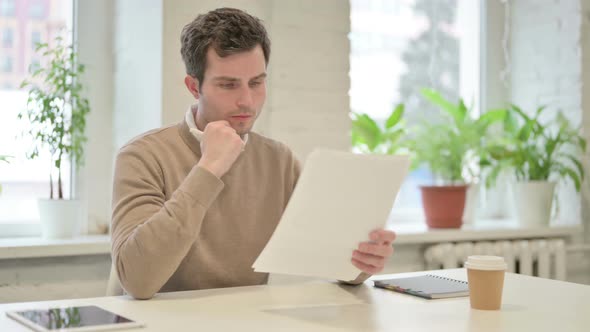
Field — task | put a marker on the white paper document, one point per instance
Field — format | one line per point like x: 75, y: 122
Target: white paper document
x: 340, y: 197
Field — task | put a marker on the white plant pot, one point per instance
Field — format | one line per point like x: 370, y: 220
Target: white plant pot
x: 471, y: 203
x: 534, y: 200
x: 59, y: 218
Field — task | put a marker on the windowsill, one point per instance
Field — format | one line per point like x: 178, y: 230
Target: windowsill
x: 480, y: 230
x: 35, y: 247
x: 407, y: 233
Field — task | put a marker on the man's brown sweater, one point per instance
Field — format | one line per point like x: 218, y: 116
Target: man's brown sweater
x: 176, y: 226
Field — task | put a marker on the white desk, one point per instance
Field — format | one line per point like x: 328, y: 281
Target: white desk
x: 530, y: 304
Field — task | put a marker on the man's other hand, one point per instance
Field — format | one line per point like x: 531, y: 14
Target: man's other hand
x: 370, y: 257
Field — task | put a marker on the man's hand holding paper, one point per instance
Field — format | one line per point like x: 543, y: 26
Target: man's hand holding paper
x: 370, y: 257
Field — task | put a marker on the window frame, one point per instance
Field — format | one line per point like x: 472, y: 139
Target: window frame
x: 7, y: 64
x: 11, y: 9
x: 7, y: 42
x: 32, y: 228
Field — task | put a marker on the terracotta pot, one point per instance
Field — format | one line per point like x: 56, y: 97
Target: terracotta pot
x: 443, y: 205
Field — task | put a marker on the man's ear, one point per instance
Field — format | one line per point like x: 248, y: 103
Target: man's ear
x: 192, y: 84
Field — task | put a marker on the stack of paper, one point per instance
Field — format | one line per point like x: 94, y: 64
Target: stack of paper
x: 339, y: 199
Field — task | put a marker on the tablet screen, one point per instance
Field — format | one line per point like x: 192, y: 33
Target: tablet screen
x: 71, y: 317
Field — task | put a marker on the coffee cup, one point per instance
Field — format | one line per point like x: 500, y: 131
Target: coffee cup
x: 485, y: 275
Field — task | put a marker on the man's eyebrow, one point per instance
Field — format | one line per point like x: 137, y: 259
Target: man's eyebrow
x: 226, y: 78
x: 263, y: 75
x: 235, y: 79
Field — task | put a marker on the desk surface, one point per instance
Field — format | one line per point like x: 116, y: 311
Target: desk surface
x: 530, y: 304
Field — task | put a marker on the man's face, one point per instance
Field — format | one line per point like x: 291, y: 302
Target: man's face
x: 233, y: 89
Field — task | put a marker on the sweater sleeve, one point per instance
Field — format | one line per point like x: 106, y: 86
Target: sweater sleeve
x: 151, y: 236
x: 296, y: 171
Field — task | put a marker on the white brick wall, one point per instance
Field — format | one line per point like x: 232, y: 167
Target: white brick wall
x: 309, y: 80
x: 546, y: 67
x: 137, y: 68
x: 93, y: 184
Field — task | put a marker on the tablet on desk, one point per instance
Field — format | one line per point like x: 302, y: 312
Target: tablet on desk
x: 72, y: 319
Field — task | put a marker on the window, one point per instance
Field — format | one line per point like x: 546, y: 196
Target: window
x: 7, y: 37
x: 23, y: 180
x: 7, y: 8
x: 35, y: 39
x: 36, y: 9
x: 401, y: 46
x: 7, y: 66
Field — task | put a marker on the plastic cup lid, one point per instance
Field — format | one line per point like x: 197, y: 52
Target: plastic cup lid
x: 489, y: 263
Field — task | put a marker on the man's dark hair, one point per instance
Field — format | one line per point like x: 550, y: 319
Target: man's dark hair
x: 228, y: 31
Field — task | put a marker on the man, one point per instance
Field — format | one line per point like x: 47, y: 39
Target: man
x: 195, y: 203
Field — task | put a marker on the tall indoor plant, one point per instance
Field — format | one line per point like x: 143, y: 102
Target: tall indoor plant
x: 453, y: 149
x: 538, y: 154
x: 56, y: 111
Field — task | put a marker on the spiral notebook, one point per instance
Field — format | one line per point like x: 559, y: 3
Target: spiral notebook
x: 427, y: 286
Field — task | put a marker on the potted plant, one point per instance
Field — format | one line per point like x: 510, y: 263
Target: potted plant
x: 538, y: 154
x: 369, y: 137
x: 453, y: 149
x: 56, y: 112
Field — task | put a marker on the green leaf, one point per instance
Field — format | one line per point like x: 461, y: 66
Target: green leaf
x: 520, y: 112
x: 40, y: 46
x: 582, y: 143
x: 539, y: 111
x: 573, y: 176
x: 510, y: 124
x: 525, y: 132
x: 394, y: 136
x: 551, y: 145
x: 577, y: 163
x: 367, y: 130
x: 395, y: 116
x: 435, y: 98
x: 491, y: 117
x: 462, y: 111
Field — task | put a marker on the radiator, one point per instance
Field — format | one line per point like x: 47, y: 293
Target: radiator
x: 537, y: 257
